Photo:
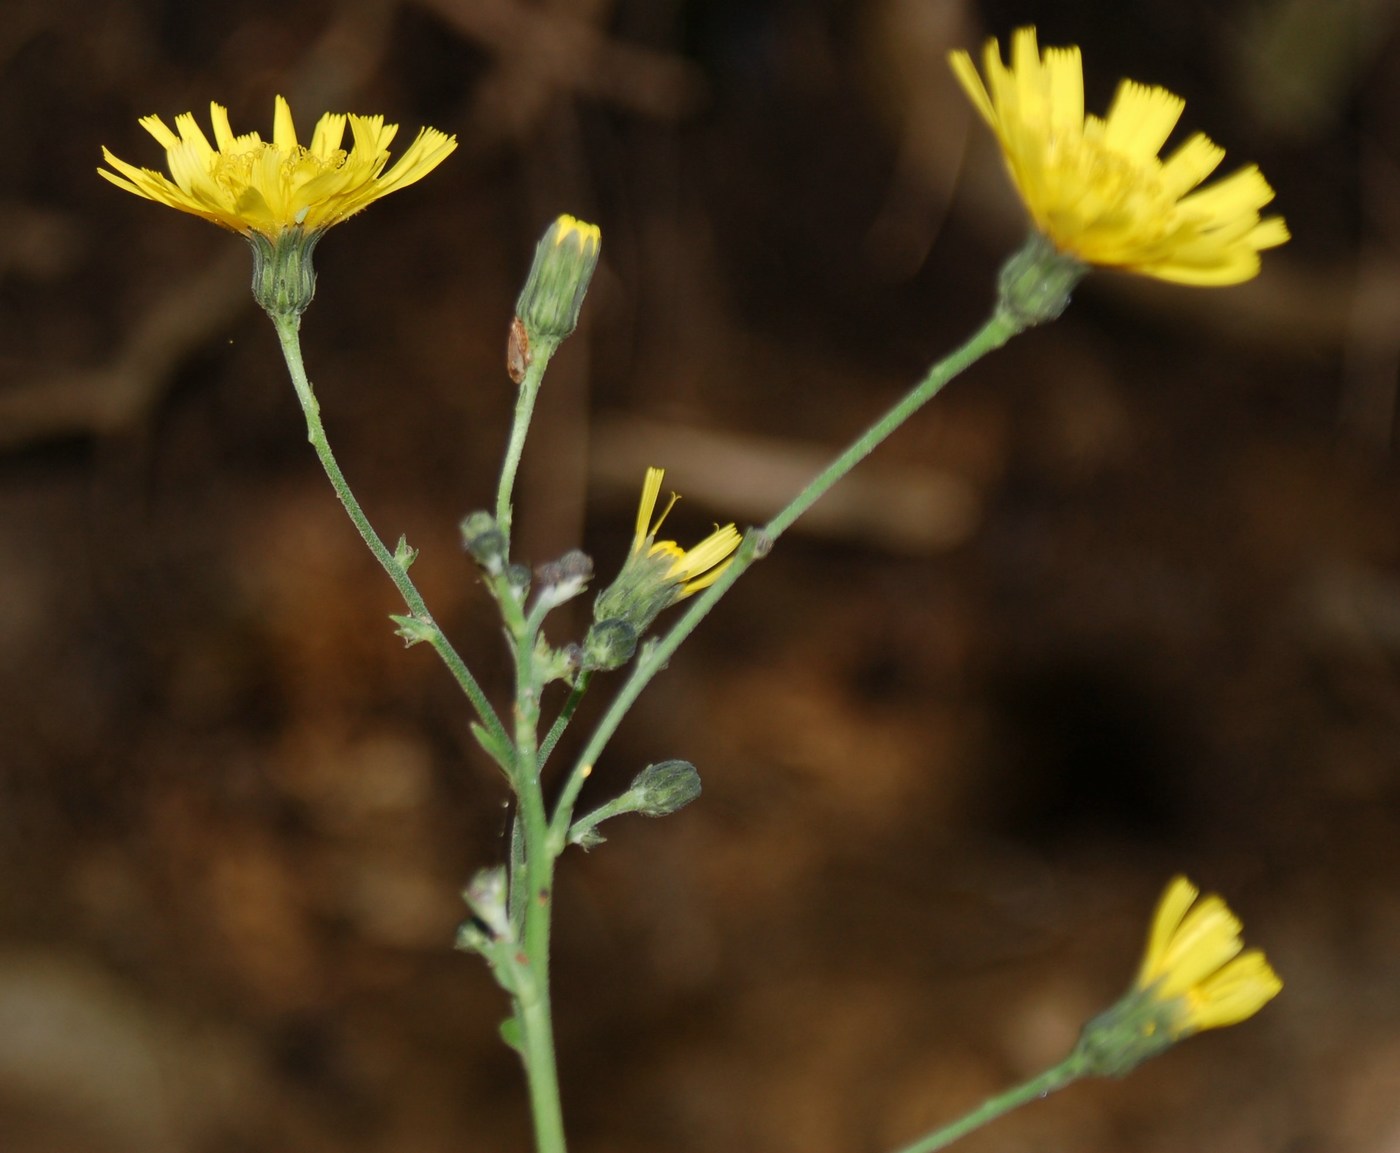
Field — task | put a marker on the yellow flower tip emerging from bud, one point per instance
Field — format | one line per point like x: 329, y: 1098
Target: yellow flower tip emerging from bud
x: 1194, y: 976
x: 587, y: 238
x: 250, y: 185
x: 655, y: 575
x: 552, y: 298
x: 1096, y: 188
x: 1195, y: 963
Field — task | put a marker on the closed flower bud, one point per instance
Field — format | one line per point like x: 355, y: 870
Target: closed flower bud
x: 483, y: 539
x: 563, y: 579
x: 609, y: 645
x: 553, y: 295
x: 664, y: 788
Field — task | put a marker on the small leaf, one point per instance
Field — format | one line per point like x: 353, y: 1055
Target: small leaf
x: 413, y: 631
x: 498, y: 751
x: 405, y: 553
x: 586, y: 838
x: 510, y: 1034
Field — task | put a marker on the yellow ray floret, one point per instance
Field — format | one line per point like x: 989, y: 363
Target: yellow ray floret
x: 691, y: 569
x: 1194, y: 962
x: 248, y: 185
x: 1097, y: 189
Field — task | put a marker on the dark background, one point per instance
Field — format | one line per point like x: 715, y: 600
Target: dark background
x: 1124, y: 601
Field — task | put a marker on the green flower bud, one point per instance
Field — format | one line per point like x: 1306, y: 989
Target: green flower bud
x: 664, y: 788
x: 609, y: 645
x: 483, y: 539
x: 549, y: 303
x: 656, y: 791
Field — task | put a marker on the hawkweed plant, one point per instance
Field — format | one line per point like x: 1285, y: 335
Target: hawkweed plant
x: 1096, y: 194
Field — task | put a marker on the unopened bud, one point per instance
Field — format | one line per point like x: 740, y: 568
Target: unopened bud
x: 664, y: 788
x: 553, y: 295
x: 483, y: 539
x: 609, y: 644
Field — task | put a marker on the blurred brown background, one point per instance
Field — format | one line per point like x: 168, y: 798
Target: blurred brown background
x: 1125, y: 601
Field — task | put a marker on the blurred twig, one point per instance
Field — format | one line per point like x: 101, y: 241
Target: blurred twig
x: 543, y: 50
x: 907, y: 508
x: 74, y: 402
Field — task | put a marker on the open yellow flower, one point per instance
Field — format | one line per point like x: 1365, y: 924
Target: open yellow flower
x: 655, y: 575
x: 690, y: 570
x: 1194, y: 975
x: 1096, y: 188
x: 250, y: 185
x: 1195, y: 965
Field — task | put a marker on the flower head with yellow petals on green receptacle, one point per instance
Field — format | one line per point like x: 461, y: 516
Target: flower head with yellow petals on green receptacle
x: 1195, y: 975
x: 279, y: 194
x: 1096, y: 189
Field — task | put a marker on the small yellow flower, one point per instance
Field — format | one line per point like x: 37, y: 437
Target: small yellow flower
x: 1096, y: 187
x: 249, y: 185
x: 1194, y: 976
x: 655, y: 575
x: 1194, y: 963
x: 691, y: 569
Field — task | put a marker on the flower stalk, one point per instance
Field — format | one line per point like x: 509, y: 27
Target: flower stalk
x: 288, y: 326
x: 1195, y: 975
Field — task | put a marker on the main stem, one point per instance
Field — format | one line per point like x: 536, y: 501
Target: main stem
x: 288, y: 335
x: 532, y: 1004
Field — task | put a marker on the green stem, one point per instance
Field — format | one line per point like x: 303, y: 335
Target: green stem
x: 532, y: 1004
x: 566, y: 714
x: 1068, y: 1070
x: 520, y: 426
x: 992, y: 335
x: 287, y: 333
x: 757, y: 542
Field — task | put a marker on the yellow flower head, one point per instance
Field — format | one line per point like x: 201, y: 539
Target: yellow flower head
x: 1194, y: 963
x: 1097, y: 189
x: 655, y: 575
x: 692, y: 569
x: 1194, y: 976
x: 249, y: 185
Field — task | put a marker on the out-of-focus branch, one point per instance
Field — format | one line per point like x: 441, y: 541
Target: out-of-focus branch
x: 109, y: 398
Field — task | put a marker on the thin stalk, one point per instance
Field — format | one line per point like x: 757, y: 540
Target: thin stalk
x: 287, y: 334
x: 1068, y: 1070
x: 757, y: 542
x: 566, y: 714
x: 519, y: 427
x: 992, y: 335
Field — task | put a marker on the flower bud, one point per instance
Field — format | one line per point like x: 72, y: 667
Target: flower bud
x: 483, y: 539
x: 563, y: 579
x: 609, y: 644
x: 664, y: 788
x: 549, y: 303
